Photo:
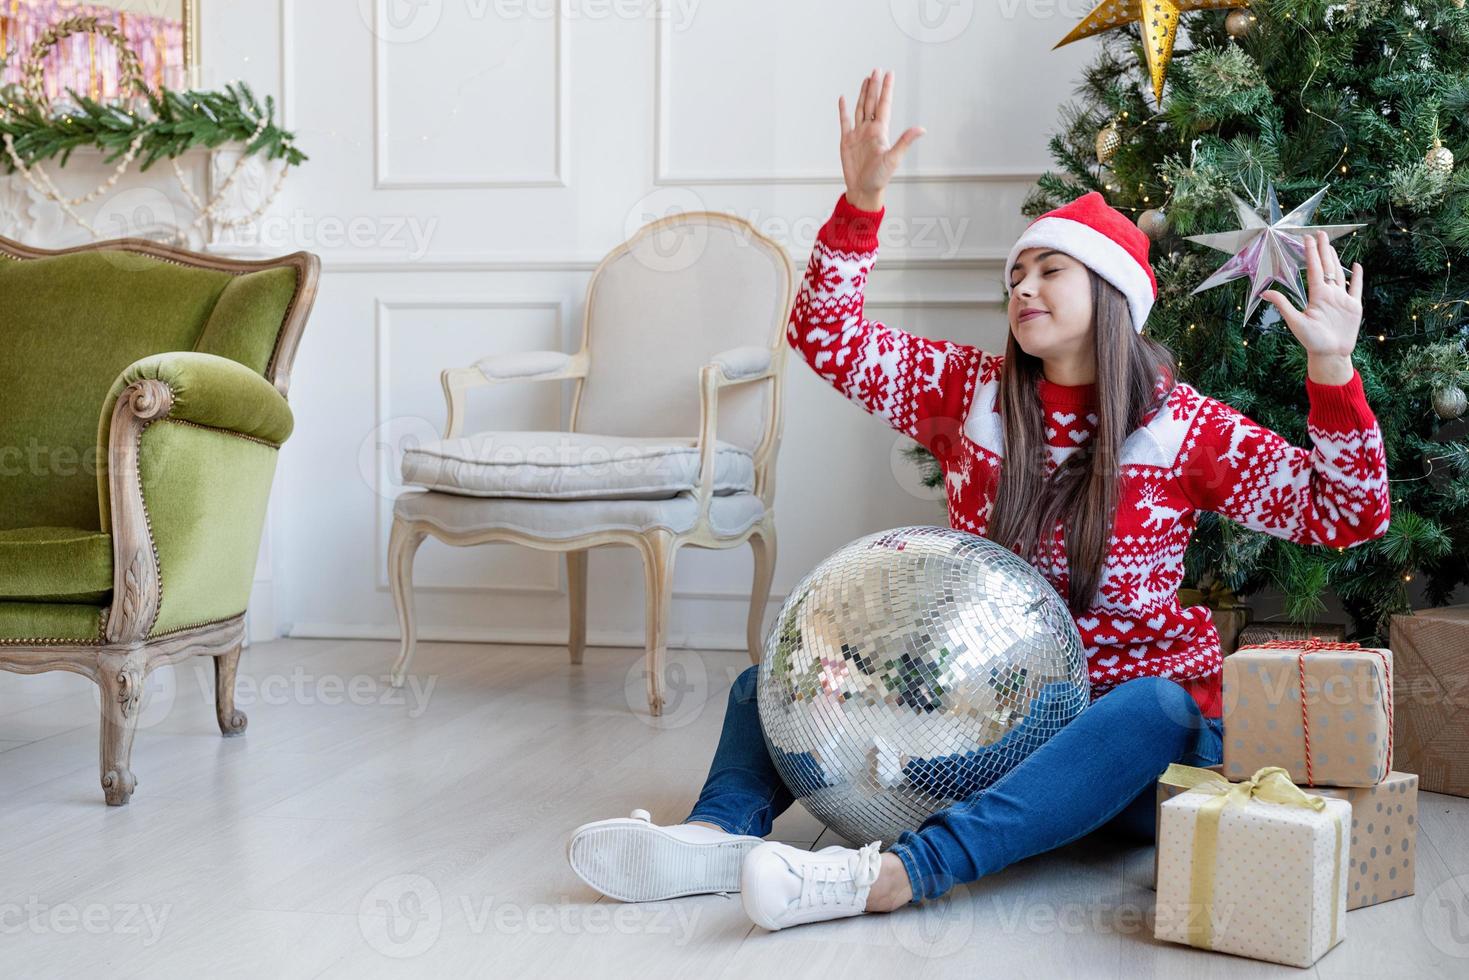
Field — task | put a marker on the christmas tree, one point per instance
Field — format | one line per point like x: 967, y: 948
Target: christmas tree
x: 1370, y: 99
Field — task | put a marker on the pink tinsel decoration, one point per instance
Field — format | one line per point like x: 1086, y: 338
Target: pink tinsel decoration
x: 88, y: 63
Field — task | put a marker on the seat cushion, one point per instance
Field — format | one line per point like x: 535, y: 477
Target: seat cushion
x: 55, y: 564
x: 572, y: 466
x: 46, y: 623
x: 560, y: 520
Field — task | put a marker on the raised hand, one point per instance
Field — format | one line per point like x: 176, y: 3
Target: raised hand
x: 868, y: 159
x: 1328, y: 326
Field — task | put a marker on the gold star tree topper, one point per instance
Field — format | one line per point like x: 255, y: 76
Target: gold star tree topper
x: 1159, y: 19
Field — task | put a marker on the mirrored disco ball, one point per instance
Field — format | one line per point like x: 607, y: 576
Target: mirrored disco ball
x: 911, y: 669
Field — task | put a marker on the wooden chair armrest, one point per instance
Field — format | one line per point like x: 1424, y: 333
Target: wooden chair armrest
x: 749, y: 368
x: 505, y: 369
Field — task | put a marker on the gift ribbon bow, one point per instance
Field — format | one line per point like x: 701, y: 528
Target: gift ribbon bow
x: 1310, y: 645
x: 1272, y: 785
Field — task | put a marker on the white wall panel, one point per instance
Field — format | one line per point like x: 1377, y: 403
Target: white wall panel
x: 477, y: 101
x: 775, y: 122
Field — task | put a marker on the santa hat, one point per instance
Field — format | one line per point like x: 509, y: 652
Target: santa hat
x: 1101, y: 238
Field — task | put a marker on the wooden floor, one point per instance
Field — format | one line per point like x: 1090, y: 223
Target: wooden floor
x: 358, y: 831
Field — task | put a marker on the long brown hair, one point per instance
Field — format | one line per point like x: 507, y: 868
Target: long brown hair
x: 1082, y: 494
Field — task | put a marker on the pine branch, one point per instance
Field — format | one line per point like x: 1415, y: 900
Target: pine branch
x: 172, y: 123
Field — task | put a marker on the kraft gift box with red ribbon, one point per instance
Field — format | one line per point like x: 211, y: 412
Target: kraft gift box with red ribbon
x: 1383, y: 856
x: 1320, y: 710
x: 1256, y: 868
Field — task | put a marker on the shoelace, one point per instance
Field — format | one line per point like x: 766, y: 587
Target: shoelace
x: 832, y: 884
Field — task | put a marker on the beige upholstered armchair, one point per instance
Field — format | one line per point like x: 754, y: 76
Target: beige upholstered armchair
x: 672, y: 441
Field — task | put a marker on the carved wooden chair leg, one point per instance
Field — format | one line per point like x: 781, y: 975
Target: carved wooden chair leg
x: 762, y: 542
x: 658, y: 554
x: 120, y: 676
x: 232, y: 721
x: 403, y: 544
x: 576, y: 589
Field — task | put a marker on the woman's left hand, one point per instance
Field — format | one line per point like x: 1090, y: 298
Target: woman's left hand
x: 1333, y: 313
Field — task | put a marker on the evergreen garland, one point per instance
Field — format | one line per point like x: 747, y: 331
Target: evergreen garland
x: 171, y: 123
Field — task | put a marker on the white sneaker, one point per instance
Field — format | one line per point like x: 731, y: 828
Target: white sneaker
x: 786, y: 886
x: 632, y: 859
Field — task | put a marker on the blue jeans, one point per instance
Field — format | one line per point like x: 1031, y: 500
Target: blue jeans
x: 1097, y: 773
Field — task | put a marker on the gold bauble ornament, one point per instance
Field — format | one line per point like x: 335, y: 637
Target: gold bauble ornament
x: 1440, y: 159
x: 1108, y: 141
x: 1154, y: 223
x: 1450, y: 402
x: 1239, y: 23
x: 1159, y: 20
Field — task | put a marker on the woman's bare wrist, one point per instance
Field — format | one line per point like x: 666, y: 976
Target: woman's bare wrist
x: 865, y: 202
x: 1329, y: 369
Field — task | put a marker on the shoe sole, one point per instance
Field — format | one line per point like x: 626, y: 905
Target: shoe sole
x: 633, y: 861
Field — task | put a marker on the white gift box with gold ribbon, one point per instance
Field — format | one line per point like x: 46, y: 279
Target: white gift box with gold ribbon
x: 1256, y: 868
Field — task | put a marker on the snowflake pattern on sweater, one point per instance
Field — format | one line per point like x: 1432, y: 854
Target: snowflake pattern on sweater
x: 1191, y: 453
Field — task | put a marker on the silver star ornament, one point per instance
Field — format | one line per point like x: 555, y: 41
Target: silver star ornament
x: 1267, y: 252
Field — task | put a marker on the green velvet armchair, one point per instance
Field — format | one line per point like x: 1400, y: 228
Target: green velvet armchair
x: 142, y: 404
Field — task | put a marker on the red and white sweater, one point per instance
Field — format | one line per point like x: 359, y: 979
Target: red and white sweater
x: 1193, y: 453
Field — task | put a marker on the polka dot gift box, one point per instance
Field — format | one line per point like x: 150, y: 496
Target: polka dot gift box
x: 1319, y: 709
x: 1384, y: 845
x: 1257, y: 868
